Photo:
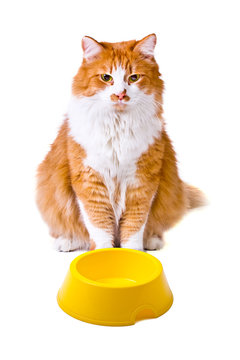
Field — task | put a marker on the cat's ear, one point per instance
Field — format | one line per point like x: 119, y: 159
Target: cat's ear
x: 147, y: 45
x: 91, y: 48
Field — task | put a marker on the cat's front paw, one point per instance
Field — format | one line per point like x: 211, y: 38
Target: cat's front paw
x: 154, y: 243
x: 132, y: 244
x: 66, y: 245
x: 135, y: 241
x: 98, y: 244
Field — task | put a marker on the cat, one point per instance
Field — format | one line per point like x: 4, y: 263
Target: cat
x: 110, y: 178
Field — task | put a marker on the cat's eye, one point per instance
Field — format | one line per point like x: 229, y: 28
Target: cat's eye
x: 133, y: 78
x: 106, y: 77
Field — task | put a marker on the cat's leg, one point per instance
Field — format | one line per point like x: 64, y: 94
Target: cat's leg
x: 59, y: 208
x: 56, y: 199
x: 153, y: 234
x: 66, y: 227
x: 133, y: 220
x: 170, y: 204
x: 96, y: 209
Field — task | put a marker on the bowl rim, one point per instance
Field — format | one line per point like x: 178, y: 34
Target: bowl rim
x: 76, y: 274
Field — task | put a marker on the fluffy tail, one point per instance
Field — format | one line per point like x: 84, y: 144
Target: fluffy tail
x: 196, y: 197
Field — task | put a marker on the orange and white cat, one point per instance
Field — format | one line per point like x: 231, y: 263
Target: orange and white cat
x: 110, y: 178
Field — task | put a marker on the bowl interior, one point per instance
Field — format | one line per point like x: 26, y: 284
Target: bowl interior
x: 118, y: 267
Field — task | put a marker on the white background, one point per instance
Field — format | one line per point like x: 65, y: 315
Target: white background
x: 198, y: 53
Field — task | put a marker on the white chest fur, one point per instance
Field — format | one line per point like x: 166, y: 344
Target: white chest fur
x: 113, y: 141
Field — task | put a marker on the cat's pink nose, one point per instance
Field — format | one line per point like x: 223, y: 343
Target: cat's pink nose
x: 121, y: 95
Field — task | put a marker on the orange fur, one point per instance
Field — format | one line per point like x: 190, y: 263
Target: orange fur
x: 159, y: 199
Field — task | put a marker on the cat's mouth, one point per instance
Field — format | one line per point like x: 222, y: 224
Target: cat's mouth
x: 120, y: 105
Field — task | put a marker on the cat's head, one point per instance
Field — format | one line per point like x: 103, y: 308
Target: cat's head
x: 119, y: 76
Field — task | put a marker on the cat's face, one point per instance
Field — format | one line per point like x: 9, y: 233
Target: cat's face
x: 119, y: 76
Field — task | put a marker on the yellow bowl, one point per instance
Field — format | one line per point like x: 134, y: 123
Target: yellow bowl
x: 115, y: 287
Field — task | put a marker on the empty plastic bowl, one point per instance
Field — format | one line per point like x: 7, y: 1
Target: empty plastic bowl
x: 115, y: 287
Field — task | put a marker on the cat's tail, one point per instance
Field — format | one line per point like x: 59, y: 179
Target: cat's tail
x: 196, y: 197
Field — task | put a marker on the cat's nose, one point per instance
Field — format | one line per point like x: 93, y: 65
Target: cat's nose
x: 121, y: 95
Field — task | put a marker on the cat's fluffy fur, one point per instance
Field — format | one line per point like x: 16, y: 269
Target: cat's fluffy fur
x: 110, y: 178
